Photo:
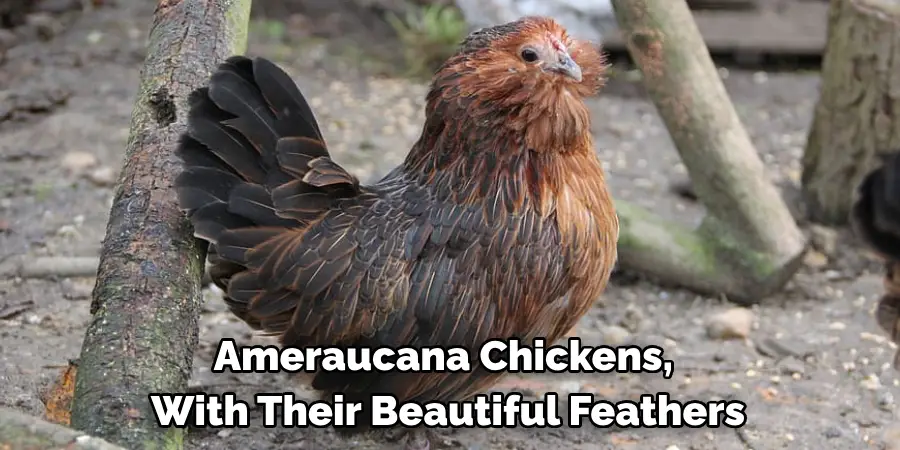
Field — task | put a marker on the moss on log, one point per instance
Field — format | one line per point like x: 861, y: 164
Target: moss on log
x: 858, y: 113
x: 748, y: 245
x: 23, y: 432
x: 146, y: 300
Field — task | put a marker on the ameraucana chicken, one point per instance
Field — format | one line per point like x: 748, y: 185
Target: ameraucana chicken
x: 498, y: 224
x: 876, y: 219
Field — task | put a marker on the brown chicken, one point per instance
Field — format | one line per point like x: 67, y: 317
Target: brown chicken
x: 876, y: 219
x: 498, y: 224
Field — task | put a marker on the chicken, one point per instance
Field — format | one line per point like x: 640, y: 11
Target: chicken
x: 498, y: 224
x: 875, y: 218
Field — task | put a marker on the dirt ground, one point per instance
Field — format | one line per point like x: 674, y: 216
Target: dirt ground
x: 813, y: 370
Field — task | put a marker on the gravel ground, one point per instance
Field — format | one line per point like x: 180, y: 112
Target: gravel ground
x: 809, y: 362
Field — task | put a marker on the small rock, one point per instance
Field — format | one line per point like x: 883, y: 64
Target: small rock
x: 33, y: 319
x: 615, y: 335
x: 45, y: 25
x: 632, y: 319
x: 78, y: 161
x: 734, y: 323
x: 871, y: 383
x: 886, y: 401
x: 791, y: 366
x: 815, y: 260
x: 94, y: 37
x: 892, y: 438
x: 832, y: 432
x: 77, y: 291
x: 67, y: 231
x: 103, y: 176
x: 823, y: 239
x: 570, y: 387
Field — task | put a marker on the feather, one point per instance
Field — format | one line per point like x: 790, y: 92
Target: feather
x: 498, y: 224
x: 286, y: 101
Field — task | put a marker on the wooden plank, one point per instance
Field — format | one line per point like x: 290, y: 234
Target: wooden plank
x: 798, y: 28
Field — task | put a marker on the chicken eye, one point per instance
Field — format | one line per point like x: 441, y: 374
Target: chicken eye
x: 529, y: 55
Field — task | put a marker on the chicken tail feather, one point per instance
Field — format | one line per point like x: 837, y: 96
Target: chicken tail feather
x: 255, y: 164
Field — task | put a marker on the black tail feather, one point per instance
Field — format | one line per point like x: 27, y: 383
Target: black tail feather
x: 257, y: 173
x: 286, y: 102
x: 249, y: 133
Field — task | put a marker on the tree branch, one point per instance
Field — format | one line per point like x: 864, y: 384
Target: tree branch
x: 748, y: 245
x: 147, y: 296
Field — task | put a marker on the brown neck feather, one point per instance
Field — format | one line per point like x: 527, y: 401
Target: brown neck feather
x: 538, y: 156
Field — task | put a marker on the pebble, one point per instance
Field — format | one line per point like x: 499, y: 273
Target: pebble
x: 614, y: 335
x: 886, y: 401
x: 103, y: 176
x: 77, y: 290
x: 33, y: 319
x: 791, y: 366
x: 67, y: 231
x: 815, y: 260
x: 892, y: 438
x: 78, y: 161
x: 734, y: 323
x: 45, y: 25
x: 570, y: 387
x: 871, y: 383
x: 760, y: 77
x: 823, y: 239
x: 832, y: 432
x: 632, y: 319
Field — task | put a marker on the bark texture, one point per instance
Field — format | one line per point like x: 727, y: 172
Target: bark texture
x: 147, y: 296
x: 858, y: 114
x: 748, y: 245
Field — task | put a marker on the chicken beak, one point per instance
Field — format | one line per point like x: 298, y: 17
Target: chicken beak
x: 567, y: 66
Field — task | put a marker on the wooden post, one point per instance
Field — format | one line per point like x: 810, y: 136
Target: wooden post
x: 146, y: 301
x: 858, y: 114
x: 748, y: 245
